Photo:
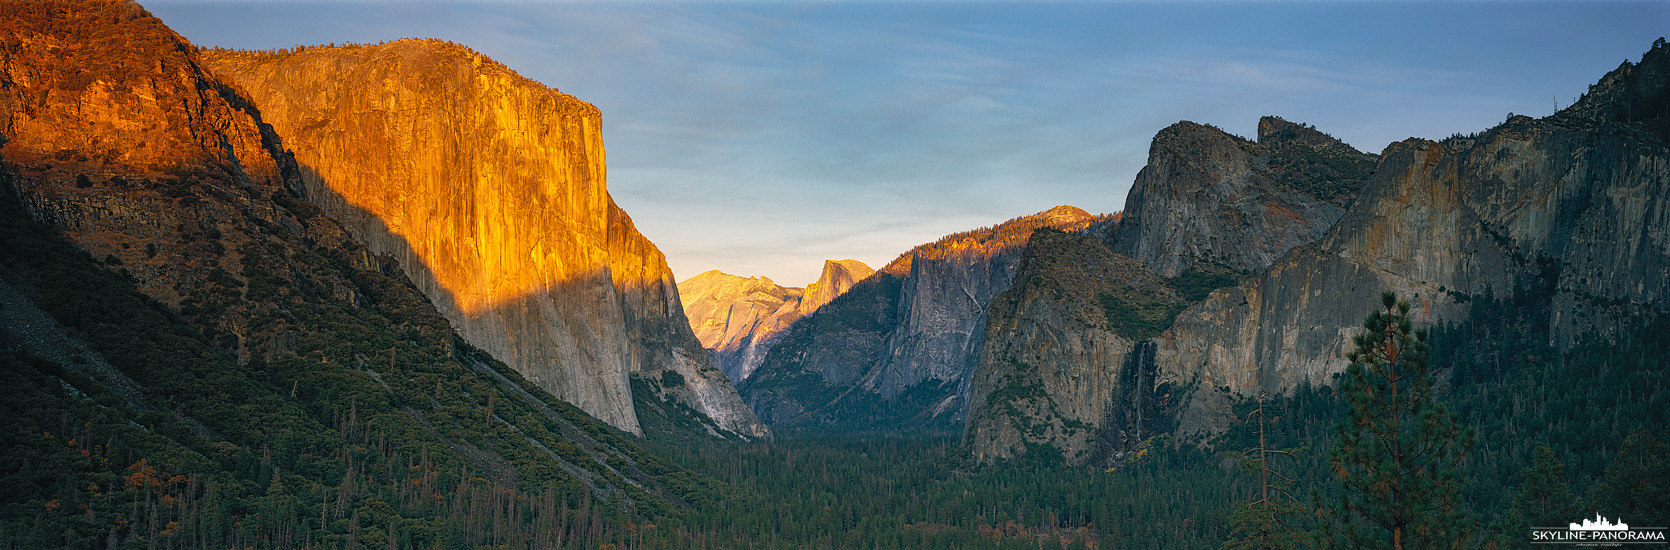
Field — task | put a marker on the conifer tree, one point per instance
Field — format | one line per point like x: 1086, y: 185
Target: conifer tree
x: 1544, y: 500
x: 1268, y: 523
x: 1636, y: 487
x: 1399, y: 453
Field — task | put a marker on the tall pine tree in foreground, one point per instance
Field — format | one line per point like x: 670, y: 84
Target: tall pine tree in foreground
x: 1399, y: 453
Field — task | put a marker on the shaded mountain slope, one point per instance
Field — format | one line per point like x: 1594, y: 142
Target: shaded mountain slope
x: 1069, y: 356
x: 1574, y: 204
x: 1565, y: 214
x: 1206, y: 195
x: 198, y: 347
x: 1057, y: 366
x: 896, y: 351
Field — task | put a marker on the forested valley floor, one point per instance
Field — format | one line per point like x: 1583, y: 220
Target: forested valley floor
x: 1589, y: 406
x: 246, y: 456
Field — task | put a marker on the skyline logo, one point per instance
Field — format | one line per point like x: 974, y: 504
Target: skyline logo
x: 1599, y: 531
x: 1599, y: 524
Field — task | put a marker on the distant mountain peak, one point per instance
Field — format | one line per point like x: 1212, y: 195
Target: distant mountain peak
x: 988, y: 240
x: 738, y: 319
x: 838, y: 276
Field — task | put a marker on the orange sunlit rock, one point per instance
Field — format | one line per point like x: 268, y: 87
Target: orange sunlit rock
x: 496, y: 204
x: 489, y: 188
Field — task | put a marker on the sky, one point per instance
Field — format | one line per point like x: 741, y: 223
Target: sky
x: 762, y: 137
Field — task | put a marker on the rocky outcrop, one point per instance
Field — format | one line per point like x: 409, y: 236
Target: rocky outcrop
x: 896, y: 351
x: 102, y: 88
x: 489, y: 189
x: 1058, y: 368
x: 735, y: 317
x: 739, y: 319
x: 1208, y: 209
x: 262, y: 323
x: 1571, y: 207
x: 1566, y: 213
x: 837, y: 278
x: 1206, y: 195
x: 112, y: 131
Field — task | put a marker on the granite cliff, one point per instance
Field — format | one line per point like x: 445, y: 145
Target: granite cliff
x: 896, y: 350
x: 489, y: 190
x: 1069, y: 360
x: 1062, y: 368
x: 1568, y: 209
x: 837, y: 278
x: 1206, y: 195
x: 739, y: 319
x: 158, y: 246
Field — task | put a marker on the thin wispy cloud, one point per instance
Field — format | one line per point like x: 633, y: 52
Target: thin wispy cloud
x: 762, y: 137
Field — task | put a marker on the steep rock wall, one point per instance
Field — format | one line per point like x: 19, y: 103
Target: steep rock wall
x: 1570, y: 209
x: 276, y: 319
x: 1208, y: 208
x: 896, y: 351
x: 1206, y: 195
x: 735, y: 316
x: 489, y: 189
x: 1055, y: 370
x: 837, y: 278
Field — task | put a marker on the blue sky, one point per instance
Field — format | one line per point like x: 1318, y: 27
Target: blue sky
x: 760, y: 138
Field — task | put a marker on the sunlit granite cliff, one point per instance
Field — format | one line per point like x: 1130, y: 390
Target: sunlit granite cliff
x: 172, y: 263
x: 739, y: 319
x: 489, y: 189
x: 896, y: 350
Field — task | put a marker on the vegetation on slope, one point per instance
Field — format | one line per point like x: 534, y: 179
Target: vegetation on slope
x: 380, y: 430
x: 1494, y: 372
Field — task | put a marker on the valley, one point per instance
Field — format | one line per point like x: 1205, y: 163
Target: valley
x: 381, y: 295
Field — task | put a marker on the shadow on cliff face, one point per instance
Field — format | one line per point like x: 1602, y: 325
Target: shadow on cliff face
x: 320, y: 197
x: 567, y: 336
x: 581, y: 337
x: 382, y: 240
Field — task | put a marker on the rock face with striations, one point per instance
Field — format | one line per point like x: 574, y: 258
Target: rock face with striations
x: 837, y: 278
x: 739, y: 319
x: 489, y: 189
x: 896, y: 351
x: 1058, y: 369
x: 1573, y: 206
x: 1570, y: 210
x: 1206, y: 195
x: 1070, y: 354
x: 113, y: 135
